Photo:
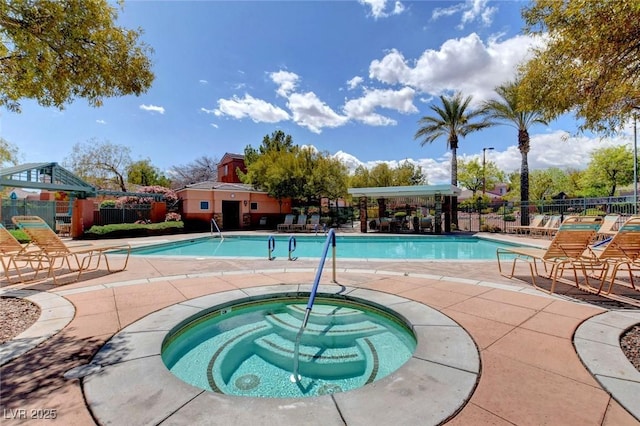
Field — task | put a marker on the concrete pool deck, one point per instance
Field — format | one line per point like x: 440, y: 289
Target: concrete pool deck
x: 543, y: 359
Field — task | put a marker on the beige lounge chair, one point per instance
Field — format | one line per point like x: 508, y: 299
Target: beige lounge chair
x: 622, y: 250
x: 13, y: 252
x: 609, y: 226
x: 53, y: 249
x: 548, y: 228
x: 566, y: 250
x: 534, y: 223
x: 286, y: 225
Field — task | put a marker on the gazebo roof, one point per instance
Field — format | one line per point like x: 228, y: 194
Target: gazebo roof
x: 49, y: 176
x: 406, y: 191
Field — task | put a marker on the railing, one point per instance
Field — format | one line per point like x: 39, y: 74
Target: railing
x: 213, y: 223
x: 271, y: 244
x: 331, y: 239
x: 292, y: 247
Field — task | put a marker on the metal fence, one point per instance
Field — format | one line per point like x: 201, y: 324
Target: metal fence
x: 23, y: 207
x: 502, y: 217
x: 128, y: 213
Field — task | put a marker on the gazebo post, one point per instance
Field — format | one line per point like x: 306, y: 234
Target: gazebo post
x: 363, y: 215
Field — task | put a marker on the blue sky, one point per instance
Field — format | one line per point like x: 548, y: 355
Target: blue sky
x: 351, y: 78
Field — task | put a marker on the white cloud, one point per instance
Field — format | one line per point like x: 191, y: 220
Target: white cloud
x: 208, y: 111
x: 152, y: 108
x: 256, y: 109
x: 310, y: 112
x: 101, y: 122
x: 362, y: 109
x: 214, y: 125
x: 203, y: 82
x: 286, y: 81
x: 466, y: 64
x: 379, y: 7
x: 354, y: 82
x: 470, y: 10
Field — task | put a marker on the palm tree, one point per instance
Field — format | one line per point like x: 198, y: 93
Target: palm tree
x: 507, y: 110
x: 451, y: 120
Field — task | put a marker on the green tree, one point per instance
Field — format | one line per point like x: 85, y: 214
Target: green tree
x: 143, y: 173
x: 381, y: 175
x: 472, y: 176
x: 589, y: 61
x: 609, y: 168
x: 102, y: 164
x: 511, y: 111
x: 409, y: 174
x: 360, y: 177
x: 53, y: 51
x: 452, y: 120
x: 8, y: 152
x: 548, y: 182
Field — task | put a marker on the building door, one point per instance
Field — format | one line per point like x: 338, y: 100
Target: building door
x: 230, y: 215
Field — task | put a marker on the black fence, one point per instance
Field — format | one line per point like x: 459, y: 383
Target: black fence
x: 128, y: 213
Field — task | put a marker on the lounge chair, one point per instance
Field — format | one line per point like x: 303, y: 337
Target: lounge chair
x: 301, y: 224
x: 286, y: 225
x: 565, y: 251
x: 609, y: 226
x: 12, y: 252
x: 52, y: 248
x: 314, y: 223
x: 548, y: 228
x: 623, y: 250
x: 534, y: 223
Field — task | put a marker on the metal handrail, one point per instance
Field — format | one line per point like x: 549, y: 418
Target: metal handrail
x: 292, y: 242
x: 213, y: 222
x: 331, y: 238
x: 271, y: 244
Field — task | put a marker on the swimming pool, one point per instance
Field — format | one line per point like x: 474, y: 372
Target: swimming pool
x: 347, y: 247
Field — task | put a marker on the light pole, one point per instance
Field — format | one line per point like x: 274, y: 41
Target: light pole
x: 635, y: 164
x: 484, y: 177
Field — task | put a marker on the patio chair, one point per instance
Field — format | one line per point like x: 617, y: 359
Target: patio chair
x: 301, y: 224
x: 568, y: 246
x: 53, y: 249
x: 623, y: 250
x: 548, y: 228
x: 286, y: 225
x: 534, y: 223
x: 12, y: 252
x: 385, y: 224
x: 426, y: 223
x: 314, y: 223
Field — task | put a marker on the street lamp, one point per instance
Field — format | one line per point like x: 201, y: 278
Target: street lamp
x: 484, y: 177
x: 635, y: 164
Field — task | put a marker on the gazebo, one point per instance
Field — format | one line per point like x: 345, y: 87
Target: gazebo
x: 440, y: 195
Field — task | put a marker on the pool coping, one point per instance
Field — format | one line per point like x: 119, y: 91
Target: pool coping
x: 127, y: 378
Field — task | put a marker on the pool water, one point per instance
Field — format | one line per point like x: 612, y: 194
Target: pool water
x: 248, y: 348
x: 352, y: 247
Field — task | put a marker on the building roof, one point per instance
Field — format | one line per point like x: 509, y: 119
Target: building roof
x: 405, y: 191
x: 221, y: 186
x: 49, y: 176
x: 232, y: 156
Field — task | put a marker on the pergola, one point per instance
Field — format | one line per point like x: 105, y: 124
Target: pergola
x: 438, y: 193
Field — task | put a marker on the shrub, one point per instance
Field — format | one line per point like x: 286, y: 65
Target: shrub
x: 509, y: 218
x: 172, y: 217
x: 20, y: 235
x: 108, y: 204
x: 132, y: 229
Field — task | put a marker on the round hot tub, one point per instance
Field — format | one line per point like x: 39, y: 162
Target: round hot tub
x: 258, y: 347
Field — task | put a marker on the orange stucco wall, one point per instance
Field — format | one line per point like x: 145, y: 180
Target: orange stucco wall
x: 193, y: 198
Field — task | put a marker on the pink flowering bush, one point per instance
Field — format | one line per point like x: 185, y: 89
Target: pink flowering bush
x: 169, y: 195
x: 173, y: 217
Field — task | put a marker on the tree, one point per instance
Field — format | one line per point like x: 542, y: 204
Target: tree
x: 8, y: 152
x: 102, y: 164
x: 589, y: 63
x: 472, y: 176
x: 381, y: 175
x: 548, y: 182
x: 608, y: 169
x: 360, y: 177
x: 53, y: 51
x: 202, y: 169
x: 511, y: 111
x: 143, y: 173
x: 451, y: 120
x: 409, y: 174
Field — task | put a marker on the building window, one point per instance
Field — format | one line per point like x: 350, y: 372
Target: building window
x: 254, y: 206
x: 226, y: 169
x: 204, y: 205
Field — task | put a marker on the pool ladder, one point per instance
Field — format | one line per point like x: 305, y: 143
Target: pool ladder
x: 213, y: 223
x: 331, y: 239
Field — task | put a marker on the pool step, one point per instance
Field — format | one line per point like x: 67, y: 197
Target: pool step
x: 328, y: 335
x: 314, y: 361
x: 324, y: 314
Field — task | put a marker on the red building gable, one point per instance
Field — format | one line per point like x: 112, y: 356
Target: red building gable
x: 228, y: 166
